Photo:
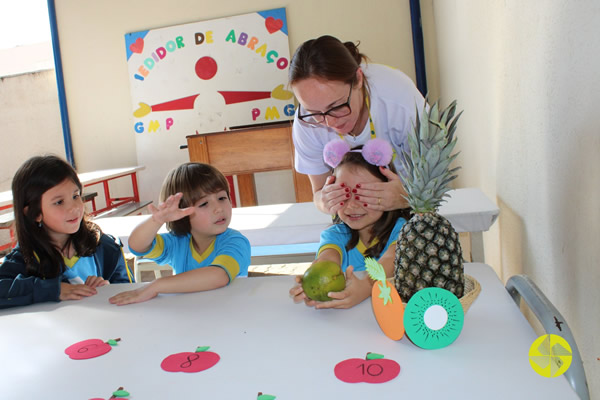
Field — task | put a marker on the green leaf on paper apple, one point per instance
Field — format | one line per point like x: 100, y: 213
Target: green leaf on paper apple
x: 116, y: 395
x: 374, y: 356
x: 202, y: 348
x: 262, y: 396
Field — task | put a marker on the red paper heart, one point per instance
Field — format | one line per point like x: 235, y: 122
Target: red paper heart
x: 137, y: 46
x: 273, y: 25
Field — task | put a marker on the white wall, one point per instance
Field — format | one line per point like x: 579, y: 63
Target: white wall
x: 96, y: 79
x: 526, y: 74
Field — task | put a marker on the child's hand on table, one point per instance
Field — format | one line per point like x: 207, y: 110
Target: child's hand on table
x: 96, y: 281
x: 75, y: 292
x: 133, y: 296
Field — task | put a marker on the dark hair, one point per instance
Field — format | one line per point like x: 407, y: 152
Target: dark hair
x: 327, y: 58
x: 194, y: 180
x: 385, y: 224
x: 36, y: 176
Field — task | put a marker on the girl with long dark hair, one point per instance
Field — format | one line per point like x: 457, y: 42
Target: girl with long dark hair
x: 60, y: 255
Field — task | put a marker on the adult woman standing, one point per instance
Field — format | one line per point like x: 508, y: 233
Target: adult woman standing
x: 340, y: 95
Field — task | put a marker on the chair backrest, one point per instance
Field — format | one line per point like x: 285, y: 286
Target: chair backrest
x: 142, y: 264
x: 521, y: 286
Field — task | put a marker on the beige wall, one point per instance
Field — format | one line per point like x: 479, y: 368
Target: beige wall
x: 527, y: 78
x: 30, y: 120
x: 97, y: 83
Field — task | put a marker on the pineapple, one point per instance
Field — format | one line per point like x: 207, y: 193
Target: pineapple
x: 428, y: 251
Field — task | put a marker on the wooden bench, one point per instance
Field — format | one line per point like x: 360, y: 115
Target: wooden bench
x: 132, y: 208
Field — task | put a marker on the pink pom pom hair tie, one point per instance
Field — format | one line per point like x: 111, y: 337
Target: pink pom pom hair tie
x: 334, y: 152
x: 376, y: 151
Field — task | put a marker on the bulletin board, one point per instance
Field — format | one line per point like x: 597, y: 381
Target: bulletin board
x: 203, y: 77
x: 210, y: 76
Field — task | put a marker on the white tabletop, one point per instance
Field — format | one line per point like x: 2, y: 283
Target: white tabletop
x: 272, y: 225
x: 469, y: 210
x: 5, y: 198
x: 92, y: 177
x: 86, y: 178
x: 267, y: 344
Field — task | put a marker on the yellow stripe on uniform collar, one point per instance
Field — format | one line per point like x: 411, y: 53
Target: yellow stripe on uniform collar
x: 201, y: 257
x: 362, y: 248
x: 69, y: 262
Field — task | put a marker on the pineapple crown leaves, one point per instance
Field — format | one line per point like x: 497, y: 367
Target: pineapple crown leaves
x: 427, y: 172
x: 374, y: 269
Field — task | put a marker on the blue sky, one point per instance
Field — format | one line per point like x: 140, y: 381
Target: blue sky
x: 23, y: 22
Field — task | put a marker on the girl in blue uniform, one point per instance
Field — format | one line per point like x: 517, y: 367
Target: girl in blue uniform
x: 203, y: 251
x: 60, y: 254
x: 363, y: 231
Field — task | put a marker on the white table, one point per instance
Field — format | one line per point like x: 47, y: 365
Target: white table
x: 470, y: 210
x: 100, y: 177
x: 290, y: 232
x: 103, y: 177
x: 6, y: 200
x: 266, y: 343
x: 277, y: 233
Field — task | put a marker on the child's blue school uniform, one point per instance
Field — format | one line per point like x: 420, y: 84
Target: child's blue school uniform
x: 336, y: 237
x: 230, y: 250
x: 18, y: 288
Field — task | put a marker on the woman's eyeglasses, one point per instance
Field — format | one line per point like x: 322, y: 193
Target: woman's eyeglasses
x: 318, y: 118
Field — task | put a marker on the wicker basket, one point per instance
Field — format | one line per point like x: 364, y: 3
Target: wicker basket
x: 472, y: 290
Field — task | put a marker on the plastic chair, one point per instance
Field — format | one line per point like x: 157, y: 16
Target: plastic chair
x: 521, y: 286
x: 142, y: 264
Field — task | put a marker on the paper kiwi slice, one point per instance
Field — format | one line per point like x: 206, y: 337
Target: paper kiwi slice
x: 433, y: 318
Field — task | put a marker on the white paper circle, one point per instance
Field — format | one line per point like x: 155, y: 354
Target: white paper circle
x: 435, y: 317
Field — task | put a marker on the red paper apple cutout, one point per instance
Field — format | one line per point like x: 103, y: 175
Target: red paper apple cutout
x: 373, y: 369
x: 90, y: 348
x: 190, y: 361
